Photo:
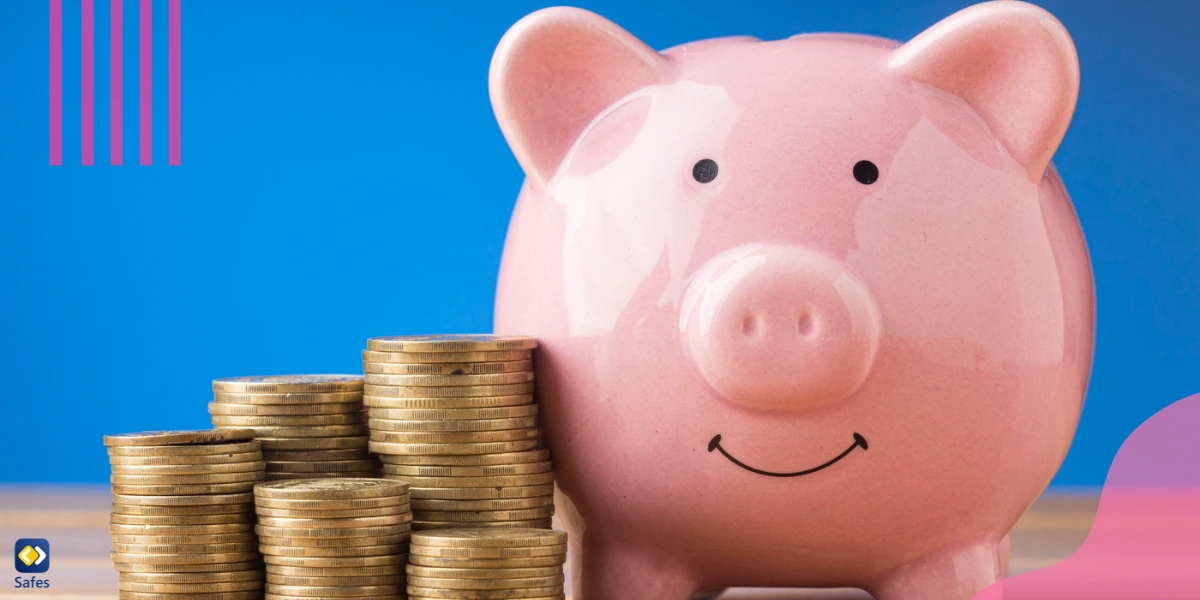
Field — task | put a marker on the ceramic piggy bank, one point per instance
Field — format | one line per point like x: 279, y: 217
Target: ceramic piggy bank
x: 813, y: 312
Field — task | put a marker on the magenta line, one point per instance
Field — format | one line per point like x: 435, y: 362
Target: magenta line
x: 144, y: 51
x: 173, y: 85
x: 55, y: 82
x: 87, y: 84
x: 116, y: 77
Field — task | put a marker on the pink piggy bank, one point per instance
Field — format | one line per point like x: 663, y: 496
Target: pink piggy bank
x: 813, y: 312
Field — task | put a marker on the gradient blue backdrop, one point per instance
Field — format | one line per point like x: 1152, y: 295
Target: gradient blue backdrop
x: 343, y: 177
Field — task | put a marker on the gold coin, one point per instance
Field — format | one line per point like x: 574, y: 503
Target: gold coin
x: 329, y: 443
x: 331, y: 552
x: 190, y: 588
x: 454, y: 437
x: 184, y: 500
x: 482, y: 574
x: 185, y: 559
x: 480, y: 493
x: 344, y: 581
x: 176, y: 578
x: 244, y: 517
x: 486, y: 584
x: 353, y: 522
x: 448, y: 380
x: 164, y: 530
x: 178, y: 438
x: 179, y: 511
x: 324, y: 466
x: 203, y: 538
x: 375, y: 402
x: 455, y: 449
x: 467, y: 368
x: 465, y: 342
x: 346, y: 532
x: 228, y: 408
x: 189, y: 450
x: 439, y: 525
x: 471, y: 505
x: 130, y: 479
x: 474, y: 538
x: 455, y: 414
x: 483, y: 471
x: 488, y: 563
x: 467, y: 517
x: 275, y: 456
x: 341, y: 401
x: 312, y: 431
x: 510, y: 458
x: 414, y: 358
x: 180, y: 490
x: 283, y: 384
x: 331, y: 489
x: 339, y: 572
x: 375, y: 540
x: 255, y: 566
x: 184, y: 549
x: 352, y: 418
x: 294, y: 513
x: 200, y: 464
x: 307, y: 591
x: 333, y: 504
x: 285, y: 476
x: 415, y: 591
x: 478, y: 482
x: 457, y: 391
x: 255, y: 594
x: 327, y: 562
x: 191, y: 470
x: 451, y: 426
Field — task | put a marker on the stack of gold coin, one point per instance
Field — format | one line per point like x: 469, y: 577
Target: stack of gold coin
x: 454, y: 416
x: 310, y: 426
x: 331, y: 538
x: 487, y: 563
x: 183, y: 514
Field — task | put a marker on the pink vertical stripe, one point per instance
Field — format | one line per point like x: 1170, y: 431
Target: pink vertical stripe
x: 174, y: 85
x: 144, y: 51
x: 55, y: 82
x: 116, y: 75
x: 87, y: 84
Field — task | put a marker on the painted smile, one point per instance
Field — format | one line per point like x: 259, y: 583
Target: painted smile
x: 715, y: 444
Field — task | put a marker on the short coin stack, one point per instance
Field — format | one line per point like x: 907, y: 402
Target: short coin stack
x: 310, y: 426
x: 487, y: 563
x: 454, y: 416
x: 331, y: 538
x: 183, y: 514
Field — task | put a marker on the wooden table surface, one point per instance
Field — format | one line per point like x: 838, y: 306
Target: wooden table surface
x: 74, y: 519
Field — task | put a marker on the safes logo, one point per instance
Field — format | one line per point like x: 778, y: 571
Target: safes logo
x: 32, y: 555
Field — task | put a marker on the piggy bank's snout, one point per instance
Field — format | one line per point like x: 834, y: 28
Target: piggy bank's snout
x: 780, y: 327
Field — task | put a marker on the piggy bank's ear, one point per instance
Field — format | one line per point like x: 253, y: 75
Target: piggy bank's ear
x: 553, y: 72
x: 1013, y: 62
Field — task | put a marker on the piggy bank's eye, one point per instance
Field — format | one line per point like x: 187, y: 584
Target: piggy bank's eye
x: 866, y: 172
x: 705, y: 170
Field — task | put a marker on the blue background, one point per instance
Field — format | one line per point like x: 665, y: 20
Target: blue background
x: 343, y: 177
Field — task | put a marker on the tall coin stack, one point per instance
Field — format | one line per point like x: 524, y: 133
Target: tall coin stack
x: 331, y: 538
x: 183, y: 514
x: 487, y: 563
x: 310, y: 426
x: 454, y: 416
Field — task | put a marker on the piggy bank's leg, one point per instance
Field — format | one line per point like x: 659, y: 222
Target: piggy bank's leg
x: 1005, y: 554
x: 950, y: 575
x: 615, y: 571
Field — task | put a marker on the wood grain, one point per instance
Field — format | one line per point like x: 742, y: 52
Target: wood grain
x: 74, y: 519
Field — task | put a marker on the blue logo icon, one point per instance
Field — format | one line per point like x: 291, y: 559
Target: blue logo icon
x: 32, y: 555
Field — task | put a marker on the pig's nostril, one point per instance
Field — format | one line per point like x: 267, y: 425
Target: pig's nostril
x: 751, y: 325
x: 804, y: 325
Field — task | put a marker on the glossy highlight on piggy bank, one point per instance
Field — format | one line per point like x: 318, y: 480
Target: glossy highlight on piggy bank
x: 812, y: 312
